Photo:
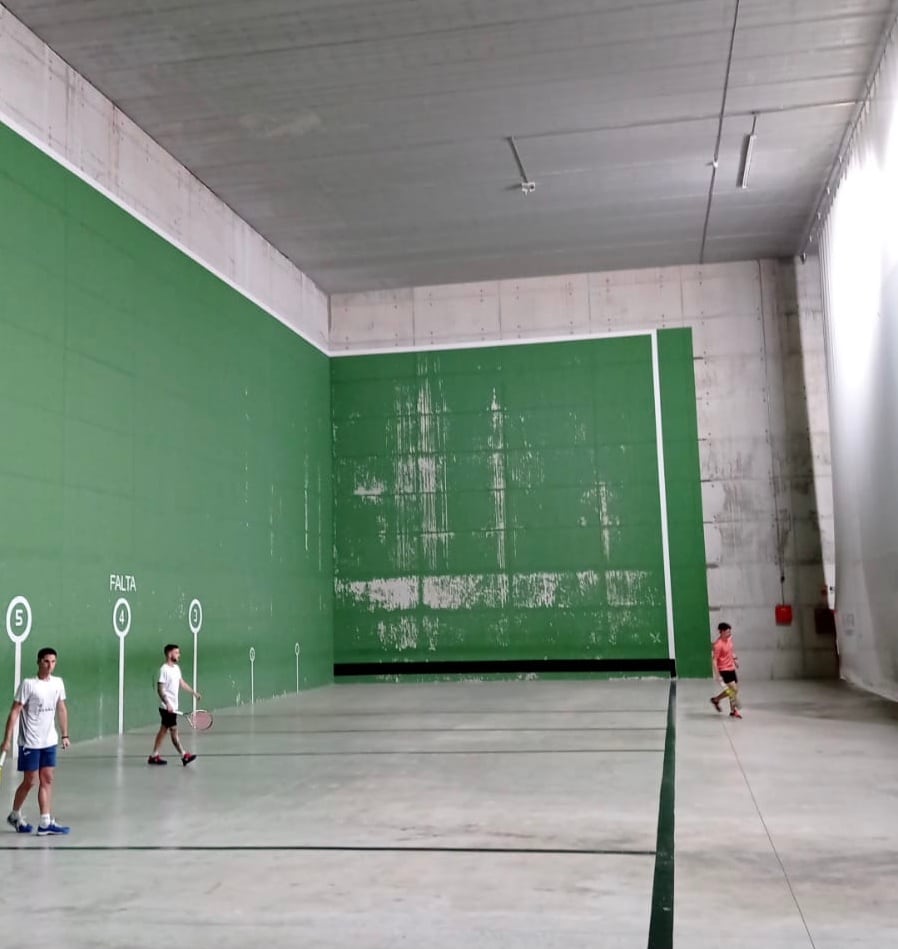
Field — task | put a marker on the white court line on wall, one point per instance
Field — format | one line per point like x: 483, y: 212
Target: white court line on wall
x: 121, y: 626
x: 662, y: 492
x: 296, y: 651
x: 500, y: 343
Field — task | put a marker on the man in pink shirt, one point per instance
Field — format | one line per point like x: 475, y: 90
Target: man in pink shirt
x: 725, y: 665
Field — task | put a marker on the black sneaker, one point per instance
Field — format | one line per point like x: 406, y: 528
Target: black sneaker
x: 156, y: 759
x: 186, y: 759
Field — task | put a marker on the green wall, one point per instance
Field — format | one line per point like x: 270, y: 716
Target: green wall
x: 154, y: 423
x: 503, y: 503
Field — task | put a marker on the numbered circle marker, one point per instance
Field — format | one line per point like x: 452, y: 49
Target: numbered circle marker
x: 252, y: 653
x: 195, y: 616
x: 18, y: 619
x: 121, y: 617
x: 296, y: 650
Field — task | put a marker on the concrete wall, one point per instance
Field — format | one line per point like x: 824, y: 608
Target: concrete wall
x: 758, y: 347
x: 56, y: 109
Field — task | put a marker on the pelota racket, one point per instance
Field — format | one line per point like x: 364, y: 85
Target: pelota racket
x: 200, y: 720
x: 2, y: 762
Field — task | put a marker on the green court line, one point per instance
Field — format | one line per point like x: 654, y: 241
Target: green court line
x: 442, y: 731
x: 352, y: 754
x: 315, y: 848
x: 418, y: 713
x: 661, y: 925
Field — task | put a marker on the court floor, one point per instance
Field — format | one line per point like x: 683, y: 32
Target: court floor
x: 497, y: 814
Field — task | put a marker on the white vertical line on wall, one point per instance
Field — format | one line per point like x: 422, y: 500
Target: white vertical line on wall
x: 662, y: 493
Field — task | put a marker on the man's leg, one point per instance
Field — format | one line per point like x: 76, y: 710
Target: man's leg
x: 717, y: 699
x: 157, y: 742
x: 29, y: 764
x: 48, y: 826
x: 186, y: 756
x: 29, y: 780
x: 733, y: 693
x: 176, y: 741
x: 45, y: 791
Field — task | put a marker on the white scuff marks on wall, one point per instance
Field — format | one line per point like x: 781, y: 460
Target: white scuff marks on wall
x: 430, y: 629
x: 588, y: 584
x: 305, y: 465
x: 318, y: 501
x: 398, y: 633
x: 527, y: 469
x: 535, y: 590
x: 465, y: 591
x: 502, y: 630
x: 435, y: 535
x: 607, y: 520
x: 497, y: 468
x: 562, y: 590
x: 369, y: 489
x: 391, y: 593
x: 416, y: 442
x: 633, y: 588
x: 400, y: 446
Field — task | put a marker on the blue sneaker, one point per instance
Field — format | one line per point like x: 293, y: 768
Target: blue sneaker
x: 19, y: 824
x: 52, y: 830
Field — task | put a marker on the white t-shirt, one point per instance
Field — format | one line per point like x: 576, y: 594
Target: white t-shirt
x: 37, y: 720
x: 170, y: 679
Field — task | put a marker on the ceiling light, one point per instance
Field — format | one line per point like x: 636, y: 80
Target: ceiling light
x: 748, y: 148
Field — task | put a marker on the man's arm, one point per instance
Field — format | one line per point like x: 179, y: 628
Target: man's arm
x: 62, y: 713
x: 162, y: 697
x: 187, y: 687
x: 10, y: 725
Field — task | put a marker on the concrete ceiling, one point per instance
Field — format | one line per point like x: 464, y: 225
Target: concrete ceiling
x: 367, y: 139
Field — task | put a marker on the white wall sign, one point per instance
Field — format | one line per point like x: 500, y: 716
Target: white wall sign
x: 121, y: 626
x: 252, y: 675
x: 122, y: 583
x: 195, y: 622
x: 18, y: 628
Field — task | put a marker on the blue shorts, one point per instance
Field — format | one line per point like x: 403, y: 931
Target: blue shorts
x: 33, y: 759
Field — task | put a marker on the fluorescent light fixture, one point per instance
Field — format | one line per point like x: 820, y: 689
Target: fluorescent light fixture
x: 748, y: 148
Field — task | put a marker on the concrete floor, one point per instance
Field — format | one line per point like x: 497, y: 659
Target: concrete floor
x: 516, y: 814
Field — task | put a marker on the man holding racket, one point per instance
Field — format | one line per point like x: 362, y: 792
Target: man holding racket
x: 725, y: 665
x: 168, y: 683
x: 38, y: 702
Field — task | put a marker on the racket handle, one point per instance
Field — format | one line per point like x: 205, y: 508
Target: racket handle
x: 2, y: 758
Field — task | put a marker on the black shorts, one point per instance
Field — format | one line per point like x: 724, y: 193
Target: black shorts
x: 169, y: 719
x: 728, y: 676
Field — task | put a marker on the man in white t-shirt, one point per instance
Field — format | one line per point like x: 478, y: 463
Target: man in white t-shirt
x: 168, y: 683
x: 38, y: 703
